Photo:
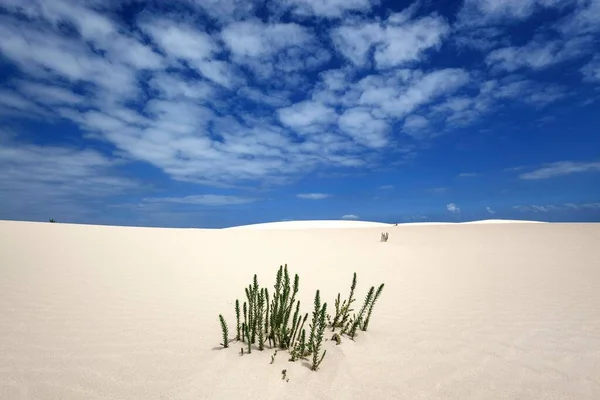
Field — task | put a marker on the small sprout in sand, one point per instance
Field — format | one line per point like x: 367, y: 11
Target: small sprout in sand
x: 52, y: 220
x: 337, y: 338
x: 283, y: 374
x: 225, y: 331
x: 242, y: 352
x: 273, y: 356
x: 385, y: 236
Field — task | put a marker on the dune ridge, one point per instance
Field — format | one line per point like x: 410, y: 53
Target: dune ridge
x: 321, y: 224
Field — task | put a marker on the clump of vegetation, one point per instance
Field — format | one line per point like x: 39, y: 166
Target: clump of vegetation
x: 385, y: 236
x: 278, y: 322
x: 52, y: 220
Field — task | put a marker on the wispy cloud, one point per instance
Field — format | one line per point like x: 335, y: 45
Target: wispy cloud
x: 453, y: 208
x: 489, y: 12
x: 538, y: 54
x: 561, y: 168
x: 490, y: 211
x: 397, y: 41
x: 467, y: 175
x: 350, y: 217
x: 323, y: 8
x: 79, y: 183
x: 554, y: 207
x: 203, y: 199
x: 313, y: 196
x: 591, y: 70
x: 438, y: 190
x: 386, y: 187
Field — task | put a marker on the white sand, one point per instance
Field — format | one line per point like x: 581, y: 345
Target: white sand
x: 485, y: 311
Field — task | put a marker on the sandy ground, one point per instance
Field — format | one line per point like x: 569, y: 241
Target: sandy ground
x: 486, y: 311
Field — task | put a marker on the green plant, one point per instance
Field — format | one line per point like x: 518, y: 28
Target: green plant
x: 318, y: 338
x: 385, y: 236
x: 52, y: 220
x: 357, y: 320
x: 342, y: 311
x: 225, y: 332
x: 237, y: 318
x: 281, y: 309
x: 259, y: 320
x: 377, y: 294
x: 245, y: 321
x: 315, y: 321
x: 247, y: 333
x: 278, y: 321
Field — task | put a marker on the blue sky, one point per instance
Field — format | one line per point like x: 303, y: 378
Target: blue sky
x: 213, y: 113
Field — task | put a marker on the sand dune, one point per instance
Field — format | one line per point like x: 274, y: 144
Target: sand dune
x: 319, y: 224
x: 316, y: 224
x: 481, y: 311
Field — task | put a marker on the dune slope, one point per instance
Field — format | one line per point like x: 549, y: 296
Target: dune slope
x: 498, y: 311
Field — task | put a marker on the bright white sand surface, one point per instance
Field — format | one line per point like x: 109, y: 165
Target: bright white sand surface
x: 485, y: 311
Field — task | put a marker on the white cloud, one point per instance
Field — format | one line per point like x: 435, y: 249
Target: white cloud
x: 325, y: 8
x: 485, y: 12
x: 313, y: 196
x: 350, y: 217
x: 365, y: 129
x: 49, y: 94
x: 308, y: 116
x: 453, y: 208
x: 561, y: 168
x: 93, y: 27
x: 591, y: 70
x: 490, y: 211
x: 226, y: 10
x: 583, y: 20
x: 396, y: 41
x: 467, y: 175
x: 414, y: 125
x: 255, y: 39
x: 13, y: 103
x: 203, y: 199
x: 274, y: 48
x: 398, y: 96
x: 271, y: 98
x: 182, y: 42
x: 538, y: 54
x: 45, y: 54
x: 386, y: 187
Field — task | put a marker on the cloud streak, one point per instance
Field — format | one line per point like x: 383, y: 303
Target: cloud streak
x: 561, y: 168
x: 313, y: 196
